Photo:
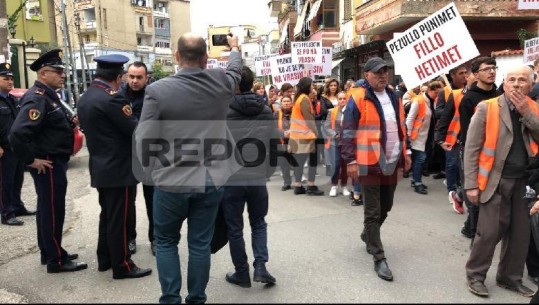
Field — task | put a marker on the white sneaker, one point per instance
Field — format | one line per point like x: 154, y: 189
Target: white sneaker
x: 333, y: 191
x: 345, y: 192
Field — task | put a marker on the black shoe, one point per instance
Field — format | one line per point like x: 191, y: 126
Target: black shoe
x: 412, y: 184
x: 440, y: 175
x: 262, y: 275
x: 240, y: 279
x: 298, y: 190
x: 25, y: 212
x: 12, y: 221
x: 467, y: 233
x: 383, y: 271
x: 70, y: 257
x: 477, y: 287
x: 68, y: 266
x: 356, y: 202
x: 406, y: 174
x: 420, y: 189
x: 132, y: 246
x: 425, y: 173
x: 152, y: 247
x: 286, y: 187
x: 135, y: 273
x: 519, y: 288
x: 103, y: 267
x: 314, y: 191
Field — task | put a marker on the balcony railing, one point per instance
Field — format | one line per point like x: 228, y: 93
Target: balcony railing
x: 142, y: 30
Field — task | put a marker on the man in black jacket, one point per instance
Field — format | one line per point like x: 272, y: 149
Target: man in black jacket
x: 12, y: 170
x: 133, y: 90
x: 484, y: 70
x: 108, y: 123
x: 253, y: 126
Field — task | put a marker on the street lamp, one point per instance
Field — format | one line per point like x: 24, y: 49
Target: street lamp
x: 32, y: 42
x: 13, y: 31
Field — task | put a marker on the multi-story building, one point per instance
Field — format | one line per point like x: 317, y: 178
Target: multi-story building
x: 36, y: 19
x: 142, y: 31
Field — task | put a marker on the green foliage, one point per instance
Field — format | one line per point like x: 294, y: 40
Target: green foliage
x: 12, y: 19
x: 158, y: 72
x: 524, y: 35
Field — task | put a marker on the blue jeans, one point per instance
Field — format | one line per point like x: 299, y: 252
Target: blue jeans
x: 452, y: 169
x: 418, y: 159
x: 234, y: 200
x: 169, y: 212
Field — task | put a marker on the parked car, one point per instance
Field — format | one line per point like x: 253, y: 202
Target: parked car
x: 78, y: 135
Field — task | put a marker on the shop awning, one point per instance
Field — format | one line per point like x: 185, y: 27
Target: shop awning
x: 284, y: 32
x: 314, y: 10
x: 335, y: 63
x: 301, y: 20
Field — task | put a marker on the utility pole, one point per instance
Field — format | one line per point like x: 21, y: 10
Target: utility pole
x: 67, y: 47
x: 3, y: 31
x: 81, y: 48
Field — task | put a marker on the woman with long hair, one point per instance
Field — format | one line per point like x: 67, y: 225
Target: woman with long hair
x: 330, y: 92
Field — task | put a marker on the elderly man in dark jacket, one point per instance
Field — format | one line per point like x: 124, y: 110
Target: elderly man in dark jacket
x: 252, y: 125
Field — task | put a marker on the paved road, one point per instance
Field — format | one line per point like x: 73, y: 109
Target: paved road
x: 315, y: 253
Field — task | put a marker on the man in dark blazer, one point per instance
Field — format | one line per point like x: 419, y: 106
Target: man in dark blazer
x: 108, y: 123
x: 185, y: 150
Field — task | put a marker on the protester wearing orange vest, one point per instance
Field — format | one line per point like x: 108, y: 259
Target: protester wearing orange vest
x: 419, y: 123
x: 373, y: 146
x: 302, y: 140
x: 502, y: 135
x: 446, y: 135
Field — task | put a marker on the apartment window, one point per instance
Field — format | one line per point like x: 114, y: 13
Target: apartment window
x: 105, y: 18
x: 162, y: 44
x: 139, y: 41
x: 347, y: 10
x: 87, y: 38
x: 330, y: 13
x: 160, y: 23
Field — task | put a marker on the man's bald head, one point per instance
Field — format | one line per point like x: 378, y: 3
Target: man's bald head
x: 192, y: 49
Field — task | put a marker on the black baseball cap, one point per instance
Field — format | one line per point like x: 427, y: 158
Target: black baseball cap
x: 374, y: 64
x: 52, y: 58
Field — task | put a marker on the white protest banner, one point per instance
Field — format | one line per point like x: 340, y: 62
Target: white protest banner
x: 284, y: 71
x: 325, y: 67
x: 531, y: 50
x: 432, y: 47
x: 262, y: 64
x: 396, y: 66
x: 211, y: 64
x: 528, y: 4
x: 306, y: 52
x: 222, y: 64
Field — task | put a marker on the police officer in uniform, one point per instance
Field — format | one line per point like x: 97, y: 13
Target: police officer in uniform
x: 12, y: 172
x: 42, y: 138
x: 108, y: 123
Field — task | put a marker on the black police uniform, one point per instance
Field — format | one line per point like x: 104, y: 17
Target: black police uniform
x: 108, y: 124
x: 12, y: 172
x: 43, y: 129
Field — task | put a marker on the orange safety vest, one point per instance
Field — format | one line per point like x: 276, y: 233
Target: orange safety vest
x: 332, y: 118
x: 447, y: 92
x: 418, y: 121
x: 492, y: 128
x: 317, y: 108
x: 412, y: 94
x: 280, y: 122
x: 298, y: 127
x: 368, y: 132
x: 454, y: 127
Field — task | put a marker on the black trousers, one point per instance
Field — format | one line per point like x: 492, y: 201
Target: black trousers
x: 132, y: 222
x: 112, y: 249
x: 51, y: 189
x: 12, y: 177
x: 378, y: 193
x: 470, y: 225
x: 532, y: 260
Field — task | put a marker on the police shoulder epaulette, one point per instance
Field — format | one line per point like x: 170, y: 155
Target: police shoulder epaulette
x: 40, y: 91
x: 111, y: 91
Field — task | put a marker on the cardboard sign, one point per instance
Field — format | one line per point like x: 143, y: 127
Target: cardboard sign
x: 528, y: 4
x: 222, y: 64
x: 306, y: 52
x: 211, y: 64
x: 531, y: 50
x: 284, y: 71
x: 262, y: 64
x: 432, y: 47
x: 324, y: 68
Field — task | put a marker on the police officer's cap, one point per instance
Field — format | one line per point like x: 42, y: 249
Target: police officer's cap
x: 5, y: 70
x: 111, y: 61
x: 52, y: 58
